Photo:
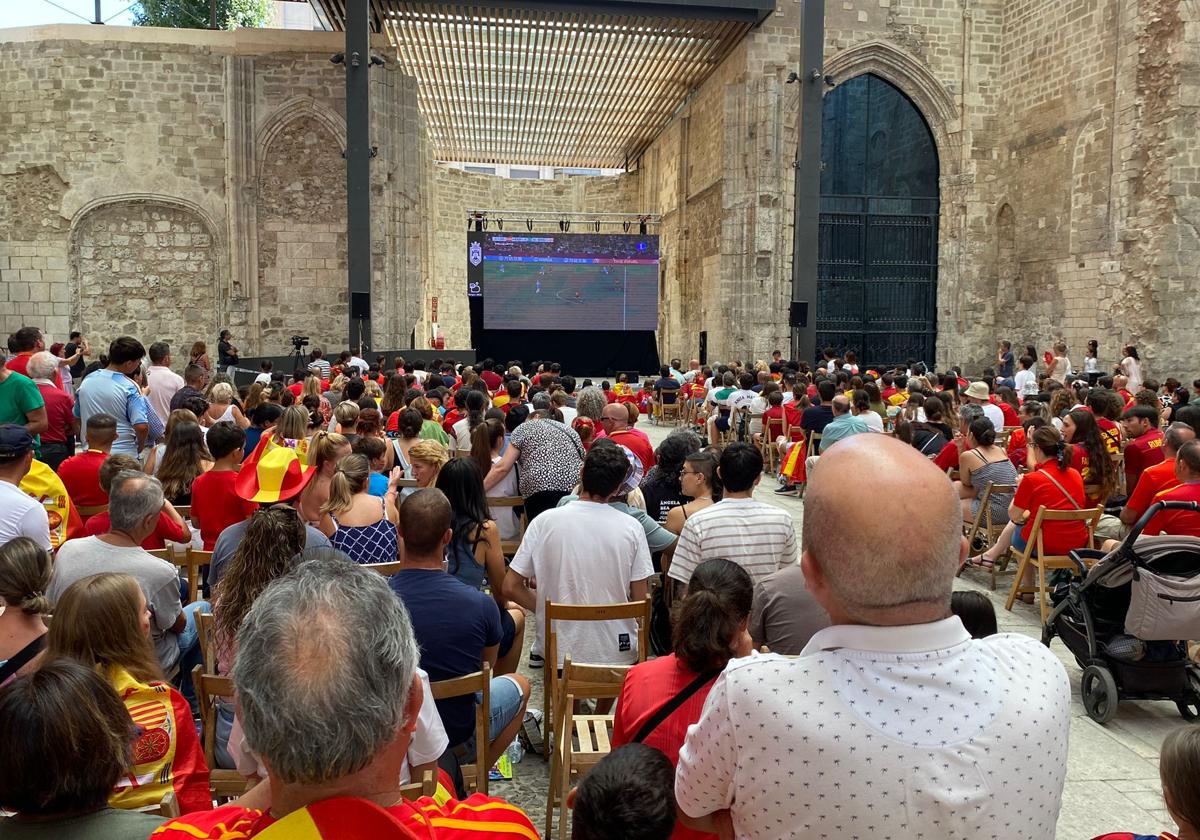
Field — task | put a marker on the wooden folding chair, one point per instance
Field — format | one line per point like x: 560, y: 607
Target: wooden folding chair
x: 638, y: 610
x: 90, y: 510
x: 184, y: 511
x: 206, y: 636
x: 415, y: 790
x: 475, y: 776
x: 224, y: 784
x: 168, y: 807
x: 774, y: 428
x: 984, y: 523
x: 586, y: 739
x: 1042, y: 561
x: 509, y: 547
x: 191, y: 561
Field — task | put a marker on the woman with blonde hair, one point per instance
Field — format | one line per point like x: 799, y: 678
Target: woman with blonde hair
x: 292, y: 425
x: 103, y: 622
x: 372, y: 390
x: 222, y: 407
x: 25, y: 569
x: 312, y: 388
x: 427, y: 457
x: 325, y: 450
x: 186, y: 458
x: 357, y: 523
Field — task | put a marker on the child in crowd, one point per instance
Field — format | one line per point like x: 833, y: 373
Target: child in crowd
x: 629, y: 794
x: 1179, y: 769
x: 976, y: 611
x: 215, y: 505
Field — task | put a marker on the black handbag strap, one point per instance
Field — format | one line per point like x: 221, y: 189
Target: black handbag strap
x: 669, y: 708
x: 22, y: 657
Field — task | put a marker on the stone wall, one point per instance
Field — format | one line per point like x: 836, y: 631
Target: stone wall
x: 118, y: 144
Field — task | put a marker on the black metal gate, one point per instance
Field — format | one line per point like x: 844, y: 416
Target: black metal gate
x: 877, y: 271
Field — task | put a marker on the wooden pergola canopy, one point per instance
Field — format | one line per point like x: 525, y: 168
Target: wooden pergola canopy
x: 555, y: 84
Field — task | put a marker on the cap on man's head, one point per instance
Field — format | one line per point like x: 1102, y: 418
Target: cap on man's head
x: 15, y: 441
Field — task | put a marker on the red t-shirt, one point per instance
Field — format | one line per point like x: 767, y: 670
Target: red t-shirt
x: 165, y: 530
x: 1011, y: 418
x: 80, y: 474
x: 1182, y: 523
x: 1154, y: 480
x: 1110, y: 433
x: 477, y: 817
x: 889, y: 393
x: 215, y: 506
x: 1036, y: 490
x: 20, y: 364
x: 1142, y: 452
x: 59, y: 413
x: 947, y: 459
x: 647, y: 687
x: 638, y: 444
x: 452, y: 417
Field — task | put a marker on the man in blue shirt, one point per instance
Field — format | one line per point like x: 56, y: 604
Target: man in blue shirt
x: 457, y: 627
x: 111, y: 391
x: 843, y: 425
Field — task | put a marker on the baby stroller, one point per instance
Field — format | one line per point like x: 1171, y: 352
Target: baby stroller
x: 1129, y: 618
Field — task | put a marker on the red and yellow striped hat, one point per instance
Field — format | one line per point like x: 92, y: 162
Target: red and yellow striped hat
x: 276, y: 471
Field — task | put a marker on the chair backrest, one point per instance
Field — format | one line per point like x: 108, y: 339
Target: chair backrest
x: 477, y: 683
x: 427, y: 786
x: 511, y: 546
x: 1089, y: 516
x: 597, y: 682
x: 210, y: 687
x: 206, y: 635
x: 407, y: 482
x: 183, y: 510
x: 162, y: 554
x: 192, y: 561
x: 639, y: 610
x: 91, y: 510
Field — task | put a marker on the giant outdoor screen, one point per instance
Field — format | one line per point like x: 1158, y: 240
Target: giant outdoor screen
x: 567, y: 281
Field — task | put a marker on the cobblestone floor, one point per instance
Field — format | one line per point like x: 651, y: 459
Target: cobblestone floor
x: 1112, y: 774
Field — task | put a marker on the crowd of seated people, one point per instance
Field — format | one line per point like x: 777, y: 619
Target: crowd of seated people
x: 353, y: 556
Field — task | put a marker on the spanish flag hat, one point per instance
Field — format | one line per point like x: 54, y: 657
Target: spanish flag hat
x: 277, y: 470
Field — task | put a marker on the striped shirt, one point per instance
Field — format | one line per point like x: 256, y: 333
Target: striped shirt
x: 759, y: 537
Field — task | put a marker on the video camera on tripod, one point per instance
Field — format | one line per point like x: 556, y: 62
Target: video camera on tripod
x: 299, y: 342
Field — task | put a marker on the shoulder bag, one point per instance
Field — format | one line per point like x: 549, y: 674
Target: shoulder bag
x: 669, y: 708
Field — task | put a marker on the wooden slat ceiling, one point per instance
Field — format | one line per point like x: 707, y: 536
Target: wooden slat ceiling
x: 548, y: 87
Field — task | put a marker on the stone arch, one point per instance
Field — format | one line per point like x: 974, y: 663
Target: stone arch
x: 1090, y: 185
x: 296, y: 108
x: 914, y: 79
x: 146, y: 265
x: 301, y: 223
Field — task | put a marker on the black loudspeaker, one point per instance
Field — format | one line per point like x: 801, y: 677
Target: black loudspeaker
x: 360, y: 305
x: 799, y: 314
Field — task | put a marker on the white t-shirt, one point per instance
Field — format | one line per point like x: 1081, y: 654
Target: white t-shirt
x: 741, y: 400
x: 1133, y: 371
x: 505, y: 517
x: 462, y: 435
x: 759, y: 537
x: 586, y: 553
x: 993, y: 413
x: 569, y: 414
x: 21, y: 516
x: 361, y: 364
x: 874, y: 421
x: 1026, y: 383
x: 757, y: 406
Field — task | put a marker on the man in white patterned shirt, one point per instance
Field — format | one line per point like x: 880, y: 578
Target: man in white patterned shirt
x: 759, y: 537
x: 894, y: 721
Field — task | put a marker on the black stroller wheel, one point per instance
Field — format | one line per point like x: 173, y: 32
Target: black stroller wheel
x: 1098, y: 691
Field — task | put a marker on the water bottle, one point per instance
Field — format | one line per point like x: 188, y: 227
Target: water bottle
x: 515, y: 751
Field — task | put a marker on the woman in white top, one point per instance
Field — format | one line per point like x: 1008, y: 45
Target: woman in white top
x: 476, y: 404
x: 1131, y: 366
x: 1060, y: 367
x: 221, y: 408
x: 487, y: 442
x: 862, y: 410
x: 1091, y: 363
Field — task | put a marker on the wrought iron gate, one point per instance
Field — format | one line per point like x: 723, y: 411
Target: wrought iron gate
x: 877, y: 269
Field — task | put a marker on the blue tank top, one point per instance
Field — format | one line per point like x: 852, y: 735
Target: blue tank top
x: 461, y: 562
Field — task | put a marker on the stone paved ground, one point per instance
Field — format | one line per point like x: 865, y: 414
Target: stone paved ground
x: 1112, y: 774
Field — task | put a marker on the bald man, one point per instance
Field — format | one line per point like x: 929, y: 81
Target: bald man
x: 893, y: 720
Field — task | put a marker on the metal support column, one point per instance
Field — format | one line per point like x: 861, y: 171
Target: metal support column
x: 358, y: 174
x: 805, y: 235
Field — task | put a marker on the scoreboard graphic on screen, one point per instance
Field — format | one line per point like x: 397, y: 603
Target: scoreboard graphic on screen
x: 565, y: 281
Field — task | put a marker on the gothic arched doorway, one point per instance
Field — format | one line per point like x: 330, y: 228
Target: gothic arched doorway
x: 877, y: 271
